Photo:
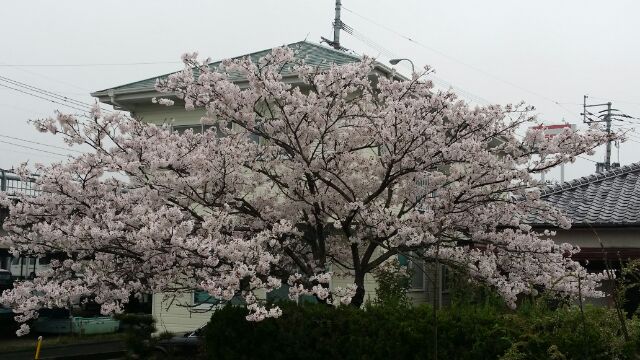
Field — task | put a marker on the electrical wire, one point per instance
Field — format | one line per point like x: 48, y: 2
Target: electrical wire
x: 26, y: 153
x: 486, y: 73
x: 390, y: 54
x: 49, y: 95
x: 85, y: 91
x: 32, y: 148
x: 92, y: 64
x: 44, y: 98
x: 46, y: 92
x: 616, y: 100
x: 42, y: 144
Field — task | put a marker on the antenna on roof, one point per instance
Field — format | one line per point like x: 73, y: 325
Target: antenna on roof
x: 337, y: 26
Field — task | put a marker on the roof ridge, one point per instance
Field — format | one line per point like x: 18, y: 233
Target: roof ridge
x: 590, y: 179
x: 328, y: 49
x: 213, y: 63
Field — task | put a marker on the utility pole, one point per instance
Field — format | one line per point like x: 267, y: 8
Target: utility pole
x: 337, y: 25
x: 607, y: 159
x: 607, y: 116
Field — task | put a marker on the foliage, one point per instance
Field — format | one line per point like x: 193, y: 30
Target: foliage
x: 464, y: 332
x: 138, y: 329
x: 393, y: 281
x: 352, y: 168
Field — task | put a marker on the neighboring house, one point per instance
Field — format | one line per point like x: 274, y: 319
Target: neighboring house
x: 20, y: 267
x: 136, y: 98
x: 605, y: 213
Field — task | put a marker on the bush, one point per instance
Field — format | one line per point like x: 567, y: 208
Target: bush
x: 393, y: 282
x: 138, y: 329
x: 315, y: 331
x: 567, y: 334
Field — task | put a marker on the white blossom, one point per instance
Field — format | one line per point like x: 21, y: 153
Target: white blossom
x: 351, y: 173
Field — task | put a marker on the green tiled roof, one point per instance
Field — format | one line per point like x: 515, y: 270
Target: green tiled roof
x: 312, y: 54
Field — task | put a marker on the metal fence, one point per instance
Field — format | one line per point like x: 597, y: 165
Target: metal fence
x: 12, y: 184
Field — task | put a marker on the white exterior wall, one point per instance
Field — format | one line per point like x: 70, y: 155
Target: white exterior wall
x: 174, y: 316
x: 160, y: 114
x: 343, y: 278
x: 177, y: 314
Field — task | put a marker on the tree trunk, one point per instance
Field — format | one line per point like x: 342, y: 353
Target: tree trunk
x: 358, y: 299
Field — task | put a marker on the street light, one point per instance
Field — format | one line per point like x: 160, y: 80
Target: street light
x: 396, y: 61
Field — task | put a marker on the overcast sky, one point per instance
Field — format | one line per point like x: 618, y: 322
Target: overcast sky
x: 548, y: 53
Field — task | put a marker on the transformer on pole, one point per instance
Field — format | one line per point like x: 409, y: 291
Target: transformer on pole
x: 607, y: 116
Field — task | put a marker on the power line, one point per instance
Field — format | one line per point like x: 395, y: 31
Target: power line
x: 584, y: 158
x: 26, y: 153
x: 85, y: 91
x: 92, y: 64
x: 390, y: 54
x: 45, y: 92
x: 616, y: 100
x: 387, y: 28
x: 44, y: 98
x: 32, y: 148
x: 48, y: 95
x: 42, y: 144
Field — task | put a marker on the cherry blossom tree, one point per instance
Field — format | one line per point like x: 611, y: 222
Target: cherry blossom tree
x: 351, y: 169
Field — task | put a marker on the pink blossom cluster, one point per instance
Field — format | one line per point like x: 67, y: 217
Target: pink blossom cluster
x: 352, y: 169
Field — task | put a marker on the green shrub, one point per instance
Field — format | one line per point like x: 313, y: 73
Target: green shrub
x: 393, y: 281
x: 465, y: 331
x: 567, y: 334
x: 138, y: 329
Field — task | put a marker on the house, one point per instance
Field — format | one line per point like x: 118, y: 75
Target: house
x: 188, y: 311
x: 20, y: 267
x: 604, y: 210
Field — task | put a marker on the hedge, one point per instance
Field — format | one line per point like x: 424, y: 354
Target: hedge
x: 464, y: 331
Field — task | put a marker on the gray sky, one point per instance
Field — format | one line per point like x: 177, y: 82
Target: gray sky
x: 547, y: 53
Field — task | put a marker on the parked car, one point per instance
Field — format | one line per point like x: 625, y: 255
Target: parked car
x: 188, y: 345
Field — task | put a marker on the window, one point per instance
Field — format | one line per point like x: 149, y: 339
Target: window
x: 44, y: 261
x: 203, y: 297
x: 15, y: 261
x: 445, y: 279
x: 196, y: 128
x: 199, y: 128
x: 416, y: 267
x: 279, y: 294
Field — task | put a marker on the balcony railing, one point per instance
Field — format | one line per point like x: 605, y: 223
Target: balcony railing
x: 12, y: 184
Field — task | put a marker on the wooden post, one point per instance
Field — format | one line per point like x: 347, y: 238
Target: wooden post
x: 38, y: 346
